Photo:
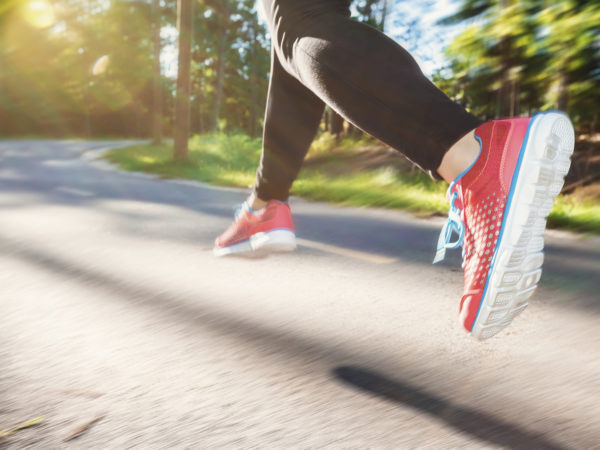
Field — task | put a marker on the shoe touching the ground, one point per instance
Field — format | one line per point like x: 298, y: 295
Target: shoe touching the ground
x: 268, y: 230
x: 498, y: 208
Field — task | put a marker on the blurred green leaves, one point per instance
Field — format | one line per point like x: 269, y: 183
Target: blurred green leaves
x: 51, y: 50
x: 515, y: 57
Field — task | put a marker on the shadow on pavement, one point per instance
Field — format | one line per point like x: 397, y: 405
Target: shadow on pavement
x: 480, y: 425
x: 570, y: 267
x: 287, y: 347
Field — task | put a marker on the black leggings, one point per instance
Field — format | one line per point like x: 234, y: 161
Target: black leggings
x: 320, y: 56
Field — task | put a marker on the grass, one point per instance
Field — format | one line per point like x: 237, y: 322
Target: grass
x: 574, y: 215
x: 231, y: 160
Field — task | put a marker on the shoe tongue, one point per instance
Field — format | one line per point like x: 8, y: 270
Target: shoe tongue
x: 458, y: 188
x: 242, y: 208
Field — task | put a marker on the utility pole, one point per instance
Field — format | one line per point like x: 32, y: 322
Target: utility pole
x: 185, y: 10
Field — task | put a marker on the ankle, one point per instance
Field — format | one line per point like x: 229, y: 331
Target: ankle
x: 459, y: 157
x: 255, y: 203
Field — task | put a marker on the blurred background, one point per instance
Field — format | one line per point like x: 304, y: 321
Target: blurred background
x: 108, y: 69
x: 84, y: 68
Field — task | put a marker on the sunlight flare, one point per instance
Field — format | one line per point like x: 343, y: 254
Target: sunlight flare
x: 100, y: 65
x: 39, y: 13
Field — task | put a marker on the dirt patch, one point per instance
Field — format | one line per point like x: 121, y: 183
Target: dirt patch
x: 360, y: 159
x: 589, y: 193
x: 584, y: 176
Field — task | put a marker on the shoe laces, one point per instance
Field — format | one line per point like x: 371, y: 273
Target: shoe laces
x: 245, y: 206
x: 238, y: 209
x: 454, y: 224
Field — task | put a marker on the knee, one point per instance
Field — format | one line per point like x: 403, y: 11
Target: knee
x: 290, y: 20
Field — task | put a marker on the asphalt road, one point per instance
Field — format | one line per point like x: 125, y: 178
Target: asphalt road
x: 113, y: 307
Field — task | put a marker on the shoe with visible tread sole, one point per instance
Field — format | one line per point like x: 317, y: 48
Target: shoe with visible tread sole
x: 499, y: 208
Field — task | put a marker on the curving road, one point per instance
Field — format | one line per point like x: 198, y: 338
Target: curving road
x: 113, y: 307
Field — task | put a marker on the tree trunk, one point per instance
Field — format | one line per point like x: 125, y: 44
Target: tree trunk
x: 514, y: 98
x: 86, y: 112
x: 504, y: 94
x: 562, y: 100
x: 326, y: 119
x: 156, y: 88
x: 200, y: 120
x: 182, y: 100
x: 383, y: 16
x: 336, y: 124
x: 253, y: 77
x: 504, y: 100
x: 221, y: 65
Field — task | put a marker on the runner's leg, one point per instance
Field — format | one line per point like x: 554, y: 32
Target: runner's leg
x: 292, y: 118
x: 366, y: 77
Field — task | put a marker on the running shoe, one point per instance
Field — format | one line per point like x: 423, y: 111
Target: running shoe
x: 257, y: 233
x: 498, y: 210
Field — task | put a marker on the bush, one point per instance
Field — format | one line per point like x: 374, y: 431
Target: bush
x: 327, y: 142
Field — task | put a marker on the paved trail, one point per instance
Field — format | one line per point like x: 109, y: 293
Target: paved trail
x: 112, y: 305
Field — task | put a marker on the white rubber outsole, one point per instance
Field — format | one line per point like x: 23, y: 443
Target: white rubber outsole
x: 261, y: 244
x: 517, y: 262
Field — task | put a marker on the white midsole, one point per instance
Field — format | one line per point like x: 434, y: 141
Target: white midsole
x: 275, y: 241
x: 517, y: 264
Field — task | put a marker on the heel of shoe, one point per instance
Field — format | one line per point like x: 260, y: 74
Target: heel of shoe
x: 274, y: 241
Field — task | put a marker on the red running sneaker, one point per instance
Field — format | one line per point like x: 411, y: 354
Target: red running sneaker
x: 498, y: 208
x: 268, y: 230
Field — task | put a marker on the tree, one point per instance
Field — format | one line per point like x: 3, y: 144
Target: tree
x: 156, y: 81
x: 525, y: 55
x: 229, y: 76
x: 372, y: 12
x: 496, y: 46
x: 185, y: 9
x: 570, y: 39
x: 223, y: 16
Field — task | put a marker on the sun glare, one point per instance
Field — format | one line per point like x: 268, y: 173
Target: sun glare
x: 39, y: 13
x: 100, y: 65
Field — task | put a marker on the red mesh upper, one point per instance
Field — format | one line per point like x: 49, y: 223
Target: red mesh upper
x: 275, y: 215
x: 483, y: 192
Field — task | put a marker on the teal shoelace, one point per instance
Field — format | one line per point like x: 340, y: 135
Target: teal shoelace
x: 238, y: 209
x: 453, y: 225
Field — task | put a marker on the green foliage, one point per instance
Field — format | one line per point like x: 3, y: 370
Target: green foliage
x: 572, y: 214
x: 515, y: 57
x: 49, y: 85
x: 50, y: 82
x: 231, y: 160
x: 218, y: 158
x: 323, y: 144
x: 230, y: 69
x: 326, y: 143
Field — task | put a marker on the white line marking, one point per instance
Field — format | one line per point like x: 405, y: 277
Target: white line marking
x: 74, y: 191
x: 368, y: 257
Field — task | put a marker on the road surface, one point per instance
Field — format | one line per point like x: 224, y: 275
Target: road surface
x: 113, y: 307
